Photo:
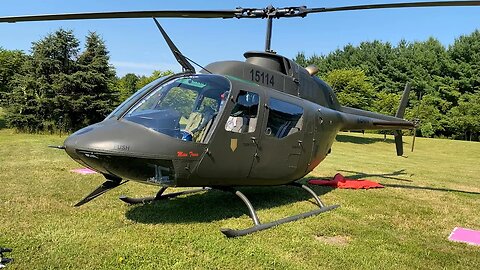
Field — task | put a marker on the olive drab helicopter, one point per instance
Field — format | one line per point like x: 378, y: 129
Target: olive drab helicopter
x: 261, y: 122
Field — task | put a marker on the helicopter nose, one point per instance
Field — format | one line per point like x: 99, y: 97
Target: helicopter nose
x: 71, y: 144
x: 129, y: 151
x: 87, y: 144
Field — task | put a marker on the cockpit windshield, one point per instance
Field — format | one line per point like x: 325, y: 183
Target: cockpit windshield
x: 183, y: 108
x: 129, y: 101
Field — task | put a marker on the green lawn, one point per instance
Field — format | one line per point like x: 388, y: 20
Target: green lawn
x: 405, y: 225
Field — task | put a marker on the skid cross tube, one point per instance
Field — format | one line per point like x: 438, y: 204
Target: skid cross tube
x: 309, y: 190
x: 160, y: 196
x: 253, y: 214
x: 259, y: 226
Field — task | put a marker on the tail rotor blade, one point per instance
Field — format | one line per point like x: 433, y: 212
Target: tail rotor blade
x: 400, y: 113
x: 404, y: 101
x: 398, y: 142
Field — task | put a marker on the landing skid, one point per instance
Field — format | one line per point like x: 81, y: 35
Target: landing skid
x: 259, y: 226
x: 160, y: 196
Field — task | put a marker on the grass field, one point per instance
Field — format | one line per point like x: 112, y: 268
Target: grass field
x: 403, y: 226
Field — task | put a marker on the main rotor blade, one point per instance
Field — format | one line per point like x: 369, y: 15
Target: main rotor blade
x: 125, y: 15
x: 397, y: 5
x: 176, y: 52
x: 404, y: 101
x: 227, y: 14
x: 398, y: 142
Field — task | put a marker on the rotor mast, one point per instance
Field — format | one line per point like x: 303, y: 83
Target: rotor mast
x: 270, y: 13
x: 268, y: 37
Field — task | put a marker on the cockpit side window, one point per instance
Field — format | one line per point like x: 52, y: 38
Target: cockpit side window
x: 244, y: 116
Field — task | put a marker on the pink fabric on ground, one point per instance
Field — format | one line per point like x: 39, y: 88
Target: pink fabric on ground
x: 468, y: 236
x: 83, y: 171
x: 339, y: 181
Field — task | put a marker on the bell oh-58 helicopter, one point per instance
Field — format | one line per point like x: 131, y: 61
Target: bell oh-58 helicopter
x: 266, y: 121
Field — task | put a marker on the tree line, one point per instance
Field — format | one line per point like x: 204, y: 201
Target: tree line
x: 445, y: 97
x: 58, y: 87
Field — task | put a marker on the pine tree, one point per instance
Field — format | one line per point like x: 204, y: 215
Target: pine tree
x: 48, y: 73
x: 95, y: 98
x: 62, y: 90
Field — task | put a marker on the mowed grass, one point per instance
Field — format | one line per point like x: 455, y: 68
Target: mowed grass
x: 403, y: 226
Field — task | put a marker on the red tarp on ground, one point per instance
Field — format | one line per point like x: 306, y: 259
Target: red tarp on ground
x: 339, y: 181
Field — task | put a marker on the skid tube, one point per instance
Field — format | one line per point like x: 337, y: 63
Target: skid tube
x: 258, y: 226
x: 160, y: 196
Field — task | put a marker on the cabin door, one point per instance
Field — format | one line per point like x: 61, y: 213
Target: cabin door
x: 280, y: 146
x: 232, y: 147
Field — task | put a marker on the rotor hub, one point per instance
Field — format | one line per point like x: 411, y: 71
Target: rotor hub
x: 271, y: 12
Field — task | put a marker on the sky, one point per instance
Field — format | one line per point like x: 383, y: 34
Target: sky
x: 136, y: 45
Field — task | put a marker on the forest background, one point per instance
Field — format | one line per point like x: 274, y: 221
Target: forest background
x: 58, y: 87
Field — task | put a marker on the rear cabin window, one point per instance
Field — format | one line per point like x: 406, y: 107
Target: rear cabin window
x: 284, y: 118
x: 243, y: 118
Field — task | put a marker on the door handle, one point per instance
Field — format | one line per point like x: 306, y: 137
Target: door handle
x: 254, y: 140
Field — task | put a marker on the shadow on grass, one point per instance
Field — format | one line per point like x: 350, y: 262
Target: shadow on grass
x: 362, y: 175
x: 432, y: 188
x: 392, y: 175
x: 361, y: 140
x: 3, y: 123
x: 216, y: 205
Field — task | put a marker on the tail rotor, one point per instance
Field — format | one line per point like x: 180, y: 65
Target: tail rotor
x: 400, y: 113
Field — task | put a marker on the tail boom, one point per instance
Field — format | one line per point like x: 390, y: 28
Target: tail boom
x: 356, y: 119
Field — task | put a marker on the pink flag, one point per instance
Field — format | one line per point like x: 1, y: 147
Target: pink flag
x: 468, y: 236
x: 83, y: 171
